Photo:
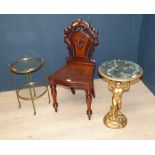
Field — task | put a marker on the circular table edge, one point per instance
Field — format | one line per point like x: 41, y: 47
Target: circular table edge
x: 14, y: 70
x: 117, y: 79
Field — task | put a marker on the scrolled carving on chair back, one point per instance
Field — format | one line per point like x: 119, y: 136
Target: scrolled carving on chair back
x: 81, y: 40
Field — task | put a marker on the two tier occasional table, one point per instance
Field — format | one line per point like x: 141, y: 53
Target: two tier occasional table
x: 27, y: 66
x: 119, y: 73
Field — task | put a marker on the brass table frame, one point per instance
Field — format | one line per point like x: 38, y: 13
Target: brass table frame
x: 30, y: 83
x: 114, y: 118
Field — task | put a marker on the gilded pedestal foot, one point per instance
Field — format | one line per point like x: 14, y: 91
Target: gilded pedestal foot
x: 116, y: 121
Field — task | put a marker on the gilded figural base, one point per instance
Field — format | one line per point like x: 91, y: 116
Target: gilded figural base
x: 114, y: 118
x: 120, y: 73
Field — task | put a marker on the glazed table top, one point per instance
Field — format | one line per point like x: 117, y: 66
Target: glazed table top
x: 26, y: 65
x: 120, y: 70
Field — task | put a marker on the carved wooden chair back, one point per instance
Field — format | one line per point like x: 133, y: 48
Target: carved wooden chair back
x: 81, y: 40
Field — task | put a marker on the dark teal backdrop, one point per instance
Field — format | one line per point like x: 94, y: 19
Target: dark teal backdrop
x: 42, y: 36
x: 146, y: 54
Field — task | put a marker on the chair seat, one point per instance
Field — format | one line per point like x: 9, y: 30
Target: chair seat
x: 76, y: 75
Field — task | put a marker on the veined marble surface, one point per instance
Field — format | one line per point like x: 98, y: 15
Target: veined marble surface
x: 120, y: 69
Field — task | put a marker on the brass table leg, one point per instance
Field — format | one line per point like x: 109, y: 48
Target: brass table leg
x: 14, y: 85
x: 114, y: 118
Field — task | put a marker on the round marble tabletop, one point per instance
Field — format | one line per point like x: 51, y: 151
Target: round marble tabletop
x: 120, y: 70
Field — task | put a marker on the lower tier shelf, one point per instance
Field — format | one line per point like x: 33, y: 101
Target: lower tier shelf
x: 32, y: 90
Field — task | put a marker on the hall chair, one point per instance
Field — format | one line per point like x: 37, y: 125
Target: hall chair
x: 81, y: 40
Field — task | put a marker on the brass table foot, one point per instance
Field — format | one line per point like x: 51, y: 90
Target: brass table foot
x: 116, y: 121
x: 19, y: 106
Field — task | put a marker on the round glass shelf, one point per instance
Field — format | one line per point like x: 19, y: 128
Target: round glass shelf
x: 26, y: 65
x: 120, y: 70
x: 37, y: 89
x: 32, y: 90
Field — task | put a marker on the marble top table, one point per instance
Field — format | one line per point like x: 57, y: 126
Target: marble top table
x: 119, y: 73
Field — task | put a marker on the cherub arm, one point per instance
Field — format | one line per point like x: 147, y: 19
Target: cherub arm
x: 110, y: 86
x: 127, y: 86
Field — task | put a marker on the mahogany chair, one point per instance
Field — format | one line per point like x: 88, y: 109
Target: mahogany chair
x: 78, y: 72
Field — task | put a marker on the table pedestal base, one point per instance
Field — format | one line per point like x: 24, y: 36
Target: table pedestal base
x: 116, y: 121
x: 114, y: 118
x: 120, y: 73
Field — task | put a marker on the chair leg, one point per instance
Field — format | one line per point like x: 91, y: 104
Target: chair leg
x: 73, y: 90
x: 54, y: 95
x: 93, y: 91
x: 89, y: 100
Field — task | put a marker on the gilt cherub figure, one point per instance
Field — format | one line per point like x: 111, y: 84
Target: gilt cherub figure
x: 117, y: 89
